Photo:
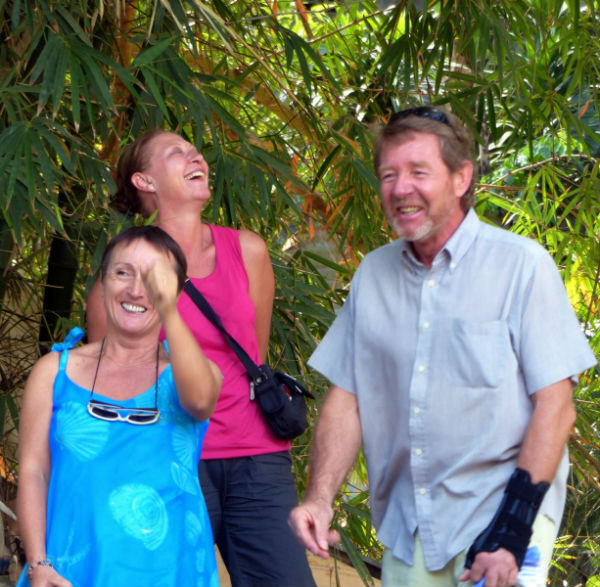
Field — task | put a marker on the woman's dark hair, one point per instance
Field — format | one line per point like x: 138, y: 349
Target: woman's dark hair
x: 135, y: 157
x: 158, y: 238
x: 456, y: 141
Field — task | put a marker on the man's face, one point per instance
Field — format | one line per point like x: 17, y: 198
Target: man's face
x: 421, y: 197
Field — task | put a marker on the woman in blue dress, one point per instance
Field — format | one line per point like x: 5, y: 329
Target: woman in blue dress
x: 111, y: 434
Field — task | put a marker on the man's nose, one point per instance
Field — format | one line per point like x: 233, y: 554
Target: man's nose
x: 402, y: 186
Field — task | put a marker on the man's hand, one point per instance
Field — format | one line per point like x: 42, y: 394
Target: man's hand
x: 310, y: 522
x: 498, y: 569
x: 336, y: 443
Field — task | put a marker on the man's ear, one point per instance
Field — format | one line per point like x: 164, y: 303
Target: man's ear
x: 142, y: 182
x: 462, y: 178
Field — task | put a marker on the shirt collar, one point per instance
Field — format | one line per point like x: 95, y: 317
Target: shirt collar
x: 456, y: 247
x: 462, y: 239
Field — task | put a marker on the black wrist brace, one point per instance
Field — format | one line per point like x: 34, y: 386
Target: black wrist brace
x: 511, y: 526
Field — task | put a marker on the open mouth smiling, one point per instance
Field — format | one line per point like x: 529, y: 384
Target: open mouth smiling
x: 408, y: 209
x: 194, y: 175
x: 134, y: 308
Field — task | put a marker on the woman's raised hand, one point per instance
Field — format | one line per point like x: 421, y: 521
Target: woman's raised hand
x: 160, y: 281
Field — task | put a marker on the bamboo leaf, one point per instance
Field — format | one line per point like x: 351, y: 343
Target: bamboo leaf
x: 76, y: 81
x: 148, y: 56
x: 355, y: 558
x: 60, y: 75
x: 47, y: 61
x: 155, y: 91
x: 73, y: 25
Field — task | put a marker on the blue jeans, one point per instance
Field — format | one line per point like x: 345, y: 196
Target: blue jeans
x: 248, y: 501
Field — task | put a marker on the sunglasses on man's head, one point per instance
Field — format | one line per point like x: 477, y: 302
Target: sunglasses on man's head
x: 422, y: 112
x: 112, y: 413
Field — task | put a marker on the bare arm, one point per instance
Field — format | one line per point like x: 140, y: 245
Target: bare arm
x: 336, y: 443
x: 95, y: 313
x: 197, y: 379
x: 541, y: 451
x: 34, y: 467
x: 262, y: 285
x: 548, y: 431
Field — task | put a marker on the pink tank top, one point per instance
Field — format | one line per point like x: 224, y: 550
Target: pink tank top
x: 237, y: 427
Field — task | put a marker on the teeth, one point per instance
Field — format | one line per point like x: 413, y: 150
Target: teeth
x: 409, y: 209
x: 133, y: 308
x: 195, y: 175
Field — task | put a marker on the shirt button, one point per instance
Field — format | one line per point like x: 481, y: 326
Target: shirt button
x: 431, y: 282
x: 417, y: 410
x: 421, y: 368
x: 426, y: 325
x: 418, y: 452
x: 452, y: 265
x: 422, y: 491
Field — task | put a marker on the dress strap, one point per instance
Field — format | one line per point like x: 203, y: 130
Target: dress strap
x: 74, y: 336
x: 62, y: 362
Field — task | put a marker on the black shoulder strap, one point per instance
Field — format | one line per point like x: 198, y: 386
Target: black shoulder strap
x: 211, y: 315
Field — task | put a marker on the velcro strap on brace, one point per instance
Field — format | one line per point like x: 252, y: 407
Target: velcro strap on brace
x: 511, y: 526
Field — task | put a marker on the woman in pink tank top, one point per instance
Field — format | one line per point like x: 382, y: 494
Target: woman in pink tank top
x: 245, y: 471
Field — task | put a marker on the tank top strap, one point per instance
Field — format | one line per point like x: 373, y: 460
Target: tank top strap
x: 62, y: 361
x: 227, y: 243
x: 72, y: 338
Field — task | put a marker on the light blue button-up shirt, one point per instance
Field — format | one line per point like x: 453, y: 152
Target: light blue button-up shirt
x: 443, y: 362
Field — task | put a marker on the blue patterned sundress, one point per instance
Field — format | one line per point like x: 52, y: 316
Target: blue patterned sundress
x: 124, y: 502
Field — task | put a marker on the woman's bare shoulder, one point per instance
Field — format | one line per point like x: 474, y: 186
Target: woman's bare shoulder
x: 85, y: 351
x: 46, y: 364
x: 253, y: 246
x: 83, y: 356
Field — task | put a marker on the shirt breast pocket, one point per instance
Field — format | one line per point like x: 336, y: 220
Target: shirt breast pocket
x: 477, y: 353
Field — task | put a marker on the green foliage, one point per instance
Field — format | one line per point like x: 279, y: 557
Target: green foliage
x: 283, y: 105
x: 547, y: 193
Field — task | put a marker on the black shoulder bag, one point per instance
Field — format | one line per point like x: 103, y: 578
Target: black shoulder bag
x: 279, y: 396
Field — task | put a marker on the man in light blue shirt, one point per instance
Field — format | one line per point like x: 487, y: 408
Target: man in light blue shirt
x: 453, y: 362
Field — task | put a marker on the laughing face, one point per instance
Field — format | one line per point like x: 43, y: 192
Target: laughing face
x: 421, y: 196
x: 128, y: 305
x: 176, y: 173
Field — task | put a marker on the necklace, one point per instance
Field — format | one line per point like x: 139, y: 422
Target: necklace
x: 115, y: 413
x: 156, y: 373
